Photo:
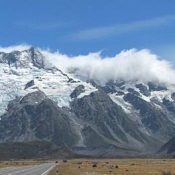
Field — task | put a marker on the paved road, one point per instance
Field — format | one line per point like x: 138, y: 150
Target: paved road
x: 42, y: 169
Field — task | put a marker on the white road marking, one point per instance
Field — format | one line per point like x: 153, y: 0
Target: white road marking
x: 48, y: 170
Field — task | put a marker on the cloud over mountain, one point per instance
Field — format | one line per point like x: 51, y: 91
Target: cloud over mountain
x: 128, y: 65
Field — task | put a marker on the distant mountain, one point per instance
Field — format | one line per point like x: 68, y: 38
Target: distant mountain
x: 41, y: 103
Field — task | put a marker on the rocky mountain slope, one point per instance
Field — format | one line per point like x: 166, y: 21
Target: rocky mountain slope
x: 39, y: 102
x: 168, y: 148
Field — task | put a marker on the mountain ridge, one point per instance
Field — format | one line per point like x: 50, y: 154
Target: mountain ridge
x: 122, y: 115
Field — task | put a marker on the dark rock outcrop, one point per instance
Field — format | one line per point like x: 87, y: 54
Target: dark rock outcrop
x: 108, y: 120
x: 77, y: 91
x: 152, y: 117
x: 36, y: 57
x: 156, y: 87
x: 170, y: 105
x: 169, y: 147
x: 36, y: 117
x: 143, y: 89
x: 29, y: 84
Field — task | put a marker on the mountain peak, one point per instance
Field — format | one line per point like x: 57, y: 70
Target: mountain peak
x: 36, y: 57
x: 24, y: 59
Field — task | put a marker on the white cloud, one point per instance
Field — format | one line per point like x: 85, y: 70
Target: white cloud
x: 129, y: 65
x: 14, y: 47
x: 117, y: 29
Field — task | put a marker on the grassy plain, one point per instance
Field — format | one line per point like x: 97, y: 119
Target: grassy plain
x: 115, y: 167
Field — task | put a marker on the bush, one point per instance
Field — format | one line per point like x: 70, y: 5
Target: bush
x: 167, y: 173
x: 94, y: 165
x: 64, y: 161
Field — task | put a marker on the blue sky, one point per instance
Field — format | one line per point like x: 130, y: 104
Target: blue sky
x: 82, y: 26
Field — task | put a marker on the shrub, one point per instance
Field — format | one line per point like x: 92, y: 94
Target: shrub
x: 167, y: 173
x: 94, y: 165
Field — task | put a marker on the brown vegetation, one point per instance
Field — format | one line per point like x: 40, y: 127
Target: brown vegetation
x: 115, y: 167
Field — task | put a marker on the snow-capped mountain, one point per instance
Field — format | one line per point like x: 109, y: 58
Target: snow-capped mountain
x: 38, y: 101
x: 27, y: 71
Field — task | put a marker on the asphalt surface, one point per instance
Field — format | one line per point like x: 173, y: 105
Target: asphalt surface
x: 42, y: 169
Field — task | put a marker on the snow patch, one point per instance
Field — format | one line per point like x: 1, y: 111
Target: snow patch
x: 56, y: 85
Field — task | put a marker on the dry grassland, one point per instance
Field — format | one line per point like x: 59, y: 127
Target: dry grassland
x: 115, y: 167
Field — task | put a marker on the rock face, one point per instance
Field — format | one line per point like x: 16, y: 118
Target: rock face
x: 169, y: 147
x: 78, y: 90
x: 151, y: 117
x: 29, y: 84
x: 40, y: 103
x: 156, y: 87
x: 35, y: 117
x: 109, y: 119
x: 143, y: 89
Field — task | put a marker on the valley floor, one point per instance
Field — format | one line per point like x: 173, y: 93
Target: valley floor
x: 115, y: 167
